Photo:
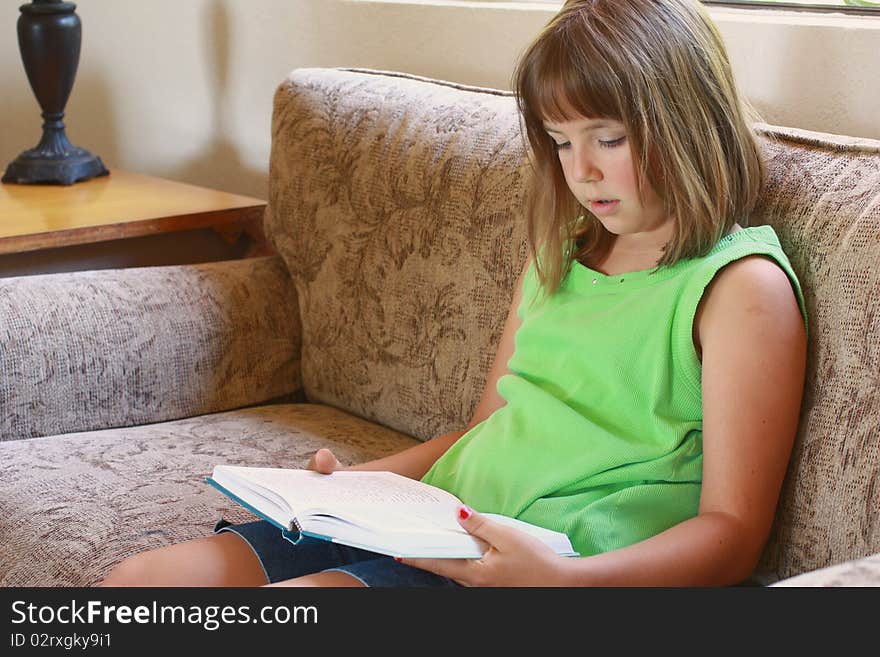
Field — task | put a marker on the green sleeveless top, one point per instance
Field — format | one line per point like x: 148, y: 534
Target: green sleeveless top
x: 601, y: 435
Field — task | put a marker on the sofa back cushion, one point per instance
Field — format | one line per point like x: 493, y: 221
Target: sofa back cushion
x: 397, y: 205
x: 396, y: 202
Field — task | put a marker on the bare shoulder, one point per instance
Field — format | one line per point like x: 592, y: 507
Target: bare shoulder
x: 752, y: 294
x: 754, y: 283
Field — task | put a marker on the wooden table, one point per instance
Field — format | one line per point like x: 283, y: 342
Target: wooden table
x: 121, y: 205
x: 124, y: 220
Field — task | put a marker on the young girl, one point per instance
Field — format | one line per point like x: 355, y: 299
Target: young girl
x: 646, y: 389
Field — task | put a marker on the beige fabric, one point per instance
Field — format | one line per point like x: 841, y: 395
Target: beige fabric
x: 99, y: 349
x: 396, y: 203
x: 858, y: 572
x: 72, y: 506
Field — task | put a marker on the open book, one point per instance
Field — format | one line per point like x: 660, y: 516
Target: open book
x: 378, y: 511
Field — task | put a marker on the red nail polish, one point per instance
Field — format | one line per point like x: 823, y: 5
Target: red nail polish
x: 464, y: 513
x: 398, y: 559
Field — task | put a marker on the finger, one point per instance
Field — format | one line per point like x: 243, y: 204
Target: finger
x: 476, y: 524
x: 323, y: 461
x: 326, y: 461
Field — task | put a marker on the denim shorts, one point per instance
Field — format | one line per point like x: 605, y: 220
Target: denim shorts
x: 281, y: 559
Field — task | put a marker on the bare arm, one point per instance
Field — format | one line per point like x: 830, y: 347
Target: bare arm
x: 416, y: 461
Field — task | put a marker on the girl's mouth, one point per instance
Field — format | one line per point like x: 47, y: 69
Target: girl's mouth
x: 603, y: 206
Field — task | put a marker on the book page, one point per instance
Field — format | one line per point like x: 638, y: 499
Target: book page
x: 379, y: 499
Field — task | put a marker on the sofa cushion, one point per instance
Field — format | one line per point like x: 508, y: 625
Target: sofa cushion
x: 76, y: 504
x: 396, y: 203
x: 823, y: 199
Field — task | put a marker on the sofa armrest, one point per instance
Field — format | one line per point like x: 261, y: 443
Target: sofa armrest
x: 92, y: 350
x: 858, y: 572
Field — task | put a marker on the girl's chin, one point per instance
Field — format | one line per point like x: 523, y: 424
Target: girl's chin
x: 613, y: 225
x: 619, y: 225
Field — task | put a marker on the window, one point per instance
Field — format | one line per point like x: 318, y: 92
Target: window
x: 871, y: 7
x: 849, y: 6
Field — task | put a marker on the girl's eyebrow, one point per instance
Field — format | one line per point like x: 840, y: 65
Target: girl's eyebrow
x: 600, y: 123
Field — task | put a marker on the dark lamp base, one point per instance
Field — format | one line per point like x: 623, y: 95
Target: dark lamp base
x: 38, y: 167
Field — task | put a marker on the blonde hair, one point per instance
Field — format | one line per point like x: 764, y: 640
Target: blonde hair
x: 661, y: 68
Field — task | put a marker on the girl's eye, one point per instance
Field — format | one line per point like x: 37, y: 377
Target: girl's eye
x: 611, y: 143
x: 561, y: 147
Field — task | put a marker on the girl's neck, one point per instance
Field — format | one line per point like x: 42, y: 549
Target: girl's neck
x: 634, y: 252
x: 629, y: 253
x: 617, y: 261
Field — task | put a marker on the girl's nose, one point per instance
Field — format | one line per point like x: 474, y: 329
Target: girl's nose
x: 583, y: 170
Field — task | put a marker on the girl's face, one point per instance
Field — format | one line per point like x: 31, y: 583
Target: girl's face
x: 598, y: 166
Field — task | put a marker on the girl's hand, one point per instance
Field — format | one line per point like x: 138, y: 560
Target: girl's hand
x: 513, y: 559
x: 324, y: 461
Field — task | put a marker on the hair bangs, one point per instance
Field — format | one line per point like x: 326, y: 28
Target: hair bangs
x: 563, y: 78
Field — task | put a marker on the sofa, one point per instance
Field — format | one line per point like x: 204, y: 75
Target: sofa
x: 395, y: 215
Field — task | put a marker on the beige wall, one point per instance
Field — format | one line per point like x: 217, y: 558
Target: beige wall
x: 183, y: 89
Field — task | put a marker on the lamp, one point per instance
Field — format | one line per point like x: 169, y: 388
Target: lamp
x: 49, y: 37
